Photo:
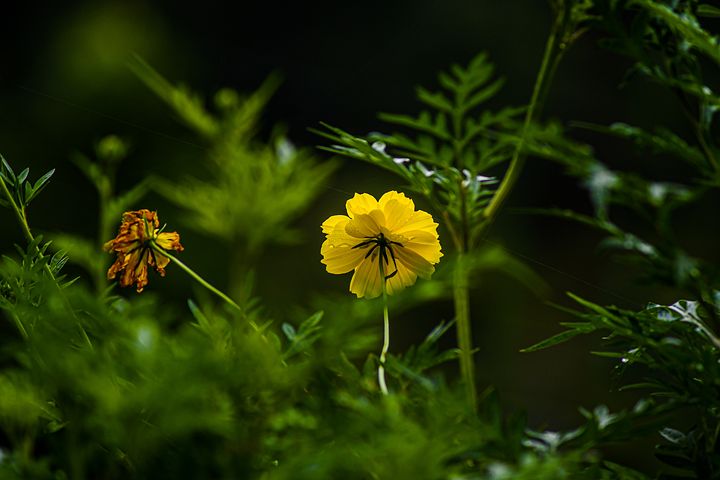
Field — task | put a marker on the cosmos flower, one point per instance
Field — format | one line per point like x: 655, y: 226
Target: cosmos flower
x: 381, y: 238
x: 139, y: 231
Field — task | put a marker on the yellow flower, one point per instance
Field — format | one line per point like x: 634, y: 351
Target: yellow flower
x: 389, y: 230
x: 138, y: 230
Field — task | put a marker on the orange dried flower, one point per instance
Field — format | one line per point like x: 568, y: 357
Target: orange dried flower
x: 134, y: 245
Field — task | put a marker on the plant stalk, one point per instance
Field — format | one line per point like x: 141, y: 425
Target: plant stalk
x: 201, y: 281
x: 547, y: 68
x: 461, y: 281
x: 464, y: 328
x: 386, y: 334
x: 386, y: 329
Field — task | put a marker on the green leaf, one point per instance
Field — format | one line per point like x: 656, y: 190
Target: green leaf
x: 687, y: 26
x: 434, y: 99
x: 708, y: 11
x: 40, y: 185
x: 81, y: 251
x: 483, y: 95
x: 199, y: 316
x: 22, y: 175
x: 561, y: 337
x: 187, y: 105
x: 289, y: 331
x: 7, y: 171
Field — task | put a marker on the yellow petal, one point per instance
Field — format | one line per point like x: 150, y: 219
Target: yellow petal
x: 419, y: 220
x: 365, y: 225
x: 366, y: 281
x: 397, y: 209
x: 403, y: 278
x: 159, y: 261
x: 429, y: 251
x: 361, y: 203
x: 414, y: 262
x: 331, y: 223
x: 338, y: 237
x: 169, y: 241
x: 341, y: 259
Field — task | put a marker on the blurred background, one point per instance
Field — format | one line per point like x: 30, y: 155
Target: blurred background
x: 64, y: 84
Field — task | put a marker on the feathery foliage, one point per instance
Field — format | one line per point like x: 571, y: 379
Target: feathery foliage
x: 96, y: 384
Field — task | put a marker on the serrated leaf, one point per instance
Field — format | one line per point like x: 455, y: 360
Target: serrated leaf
x: 434, y: 99
x: 483, y: 95
x: 685, y: 25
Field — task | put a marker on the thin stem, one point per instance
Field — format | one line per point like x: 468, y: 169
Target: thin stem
x: 20, y: 326
x: 386, y: 335
x: 19, y: 211
x: 461, y: 283
x: 201, y: 281
x: 518, y: 159
x: 464, y: 329
x: 386, y: 328
x: 451, y: 229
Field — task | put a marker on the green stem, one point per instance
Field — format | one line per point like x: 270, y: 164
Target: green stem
x: 517, y: 162
x: 25, y: 227
x: 201, y: 281
x: 386, y: 334
x: 464, y: 328
x: 19, y: 213
x: 386, y: 328
x: 461, y: 282
x: 20, y: 326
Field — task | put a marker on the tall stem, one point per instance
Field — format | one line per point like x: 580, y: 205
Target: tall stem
x: 464, y: 328
x: 201, y: 281
x: 386, y: 335
x: 547, y: 67
x: 465, y: 242
x: 386, y: 328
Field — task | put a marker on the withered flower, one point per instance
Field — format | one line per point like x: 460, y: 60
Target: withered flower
x: 139, y: 243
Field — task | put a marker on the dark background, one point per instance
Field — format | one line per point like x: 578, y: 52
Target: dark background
x: 64, y: 84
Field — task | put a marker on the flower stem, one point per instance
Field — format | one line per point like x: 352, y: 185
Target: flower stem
x: 464, y: 328
x: 386, y: 335
x: 386, y: 329
x: 201, y: 281
x: 19, y: 211
x: 547, y: 67
x: 20, y: 326
x: 461, y: 283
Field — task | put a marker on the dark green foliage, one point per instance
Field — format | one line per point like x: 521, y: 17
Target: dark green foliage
x: 674, y: 347
x: 22, y: 190
x: 213, y: 397
x: 450, y: 147
x: 100, y: 386
x: 254, y: 188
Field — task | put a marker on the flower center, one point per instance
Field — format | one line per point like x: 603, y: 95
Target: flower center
x: 384, y: 246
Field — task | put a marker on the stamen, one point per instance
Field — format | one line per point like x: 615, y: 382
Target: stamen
x: 371, y: 250
x: 385, y: 246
